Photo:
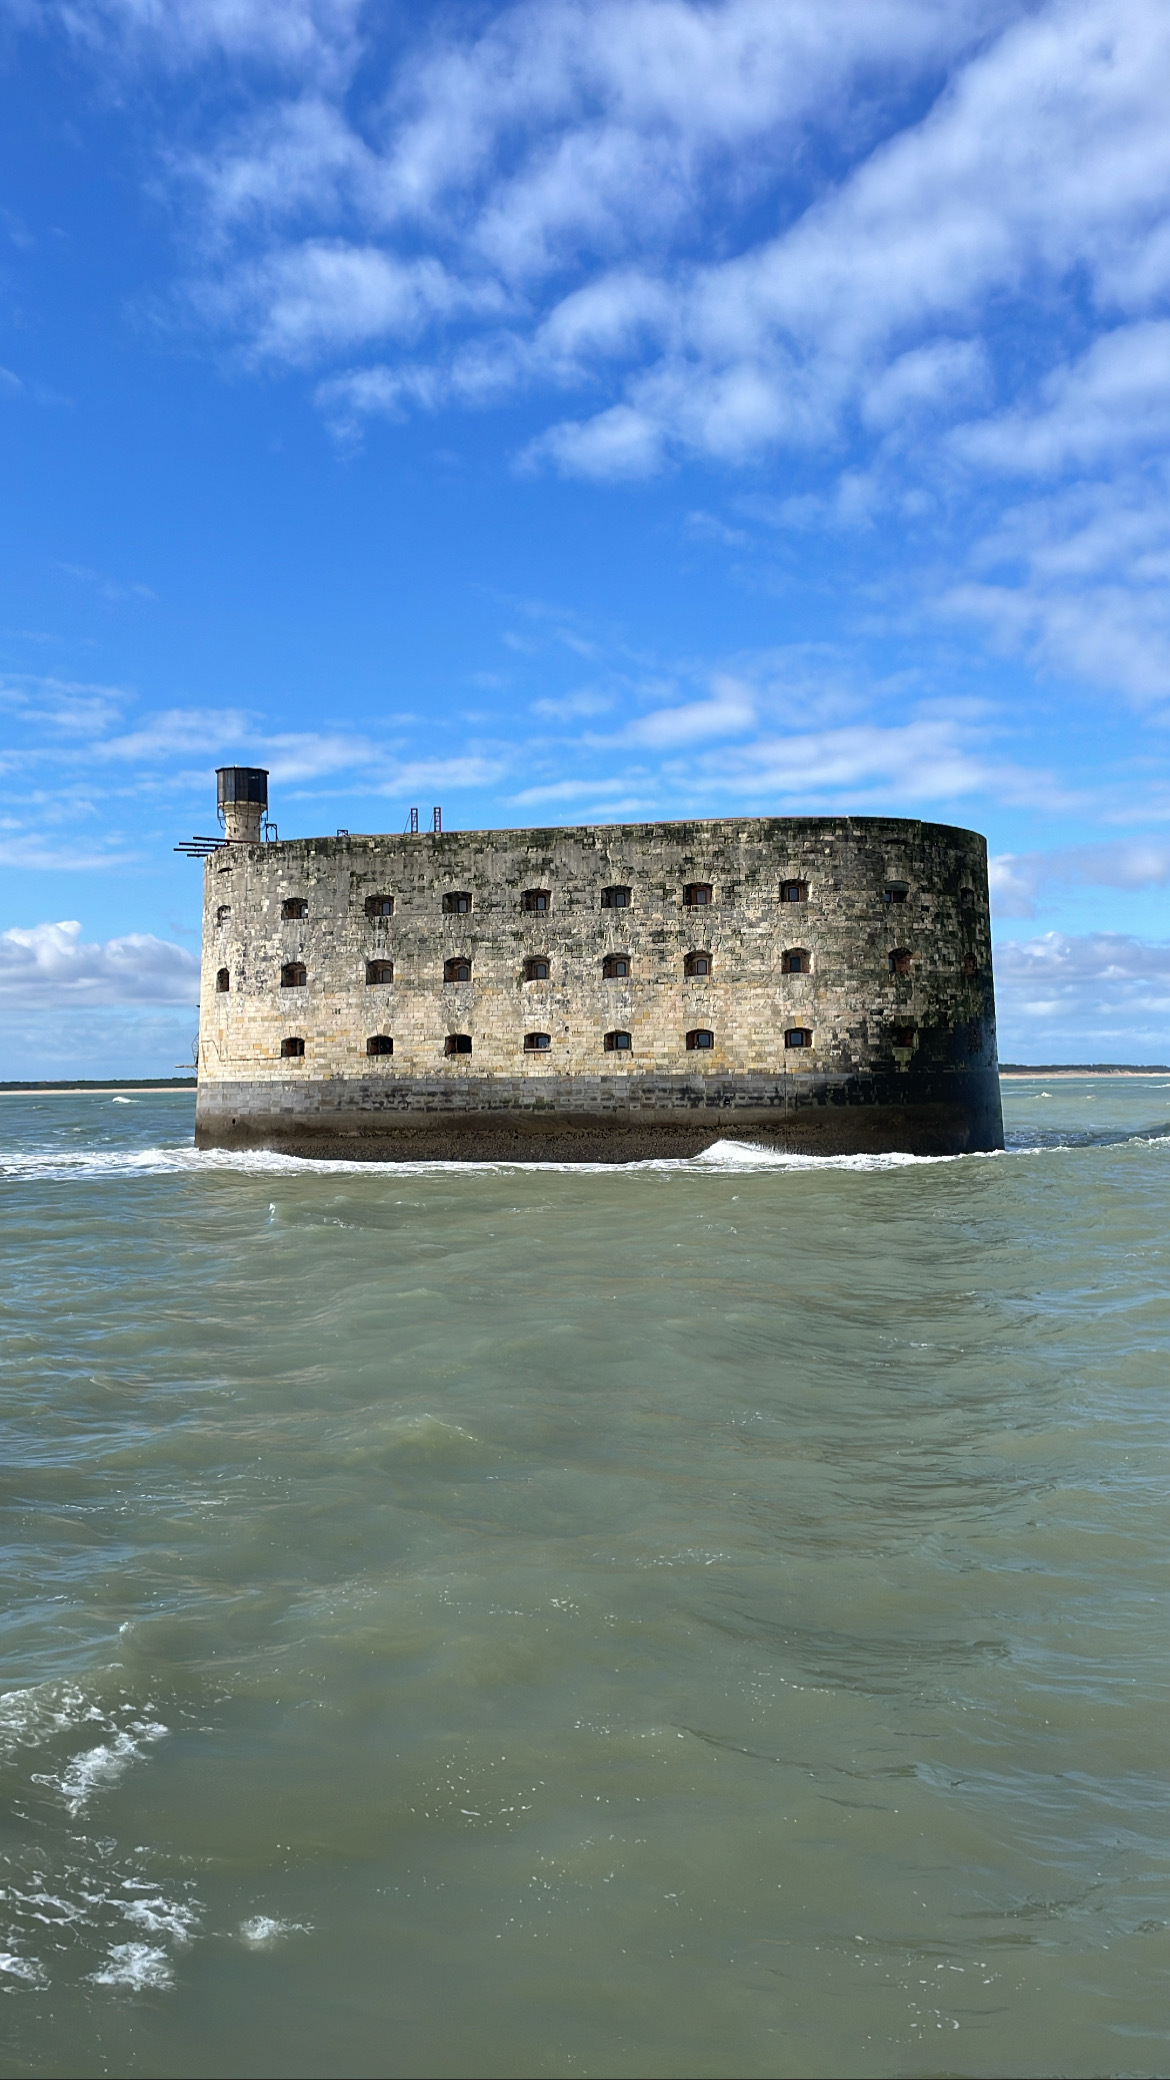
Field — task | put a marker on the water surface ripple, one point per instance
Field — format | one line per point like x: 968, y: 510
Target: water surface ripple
x: 696, y: 1618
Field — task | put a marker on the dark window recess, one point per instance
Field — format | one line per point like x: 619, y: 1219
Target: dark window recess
x: 970, y: 964
x: 615, y: 898
x: 615, y: 967
x: 379, y: 906
x: 294, y: 906
x: 696, y: 964
x: 223, y: 913
x: 700, y: 1038
x: 901, y: 961
x: 794, y: 891
x: 379, y: 1043
x: 456, y: 905
x: 966, y: 899
x: 223, y: 980
x: 696, y: 893
x: 291, y: 1050
x: 294, y: 975
x: 457, y: 1043
x: 457, y: 970
x: 798, y: 1036
x: 902, y: 1036
x: 617, y: 1043
x: 536, y: 899
x: 797, y: 961
x: 897, y: 891
x: 379, y: 971
x: 536, y: 971
x: 535, y: 1043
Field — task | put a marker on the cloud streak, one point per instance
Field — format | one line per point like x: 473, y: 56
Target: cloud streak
x: 50, y: 964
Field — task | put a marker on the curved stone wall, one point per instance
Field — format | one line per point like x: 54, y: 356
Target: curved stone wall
x: 818, y: 983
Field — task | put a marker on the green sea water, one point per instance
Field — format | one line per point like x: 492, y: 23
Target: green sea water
x: 700, y: 1618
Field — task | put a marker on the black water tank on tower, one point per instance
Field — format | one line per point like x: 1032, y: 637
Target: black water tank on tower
x: 242, y: 797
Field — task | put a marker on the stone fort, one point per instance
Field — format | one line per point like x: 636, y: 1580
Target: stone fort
x: 819, y: 984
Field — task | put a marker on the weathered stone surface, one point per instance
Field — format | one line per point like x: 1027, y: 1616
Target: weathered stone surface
x: 902, y: 1054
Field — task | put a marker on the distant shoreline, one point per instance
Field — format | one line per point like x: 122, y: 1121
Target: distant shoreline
x: 179, y: 1085
x: 97, y: 1090
x: 1085, y: 1069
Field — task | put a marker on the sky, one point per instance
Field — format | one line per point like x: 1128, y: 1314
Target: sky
x: 582, y: 411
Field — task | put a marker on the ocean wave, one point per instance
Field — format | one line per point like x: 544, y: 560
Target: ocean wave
x: 101, y: 1164
x: 80, y: 1165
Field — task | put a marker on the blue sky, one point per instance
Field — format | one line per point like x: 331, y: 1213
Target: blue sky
x: 580, y: 411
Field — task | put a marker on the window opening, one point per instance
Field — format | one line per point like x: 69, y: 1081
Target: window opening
x: 901, y: 961
x: 223, y: 980
x: 797, y: 961
x: 902, y: 1036
x: 292, y: 1049
x: 223, y: 913
x: 294, y: 906
x: 615, y: 967
x: 294, y: 975
x: 456, y: 905
x: 897, y: 891
x: 617, y: 1043
x: 970, y: 964
x: 798, y: 1036
x: 535, y: 1043
x: 379, y: 971
x: 536, y: 971
x: 457, y: 970
x: 536, y: 899
x: 379, y: 1043
x: 966, y: 899
x: 379, y: 906
x: 615, y: 898
x: 696, y: 893
x: 794, y: 891
x: 457, y: 1043
x: 700, y: 1038
x: 697, y: 964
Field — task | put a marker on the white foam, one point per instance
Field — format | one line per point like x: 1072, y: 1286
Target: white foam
x: 30, y: 1717
x: 23, y: 1968
x: 137, y: 1966
x: 98, y: 1769
x: 736, y: 1157
x: 77, y: 1165
x: 163, y: 1917
x: 268, y: 1928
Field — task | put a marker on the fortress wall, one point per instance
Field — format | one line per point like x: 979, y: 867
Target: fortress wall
x: 851, y: 1003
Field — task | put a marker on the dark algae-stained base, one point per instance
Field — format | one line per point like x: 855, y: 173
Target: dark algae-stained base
x: 617, y: 1119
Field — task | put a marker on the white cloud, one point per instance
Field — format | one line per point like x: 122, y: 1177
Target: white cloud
x: 607, y: 791
x: 1114, y: 400
x: 617, y: 443
x: 1100, y: 997
x: 910, y: 762
x: 442, y: 772
x: 50, y: 963
x: 1018, y: 879
x: 327, y: 294
x: 303, y: 36
x: 161, y: 735
x: 729, y: 713
x: 934, y: 378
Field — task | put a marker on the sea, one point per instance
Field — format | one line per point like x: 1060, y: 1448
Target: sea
x: 691, y: 1618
